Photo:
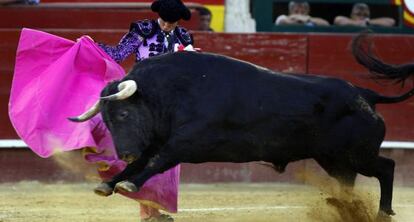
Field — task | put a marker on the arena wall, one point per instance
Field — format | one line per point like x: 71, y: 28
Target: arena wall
x: 21, y: 164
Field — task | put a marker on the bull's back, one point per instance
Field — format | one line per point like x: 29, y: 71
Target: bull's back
x: 214, y: 85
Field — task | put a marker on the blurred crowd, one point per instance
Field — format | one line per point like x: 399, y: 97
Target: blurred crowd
x: 299, y: 13
x: 360, y: 15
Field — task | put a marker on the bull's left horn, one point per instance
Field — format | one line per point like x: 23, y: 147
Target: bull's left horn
x: 86, y: 115
x: 126, y: 89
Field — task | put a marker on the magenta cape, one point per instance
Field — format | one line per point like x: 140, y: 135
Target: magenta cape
x: 56, y: 78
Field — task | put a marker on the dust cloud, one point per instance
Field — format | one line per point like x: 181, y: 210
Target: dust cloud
x: 342, y: 204
x: 74, y: 163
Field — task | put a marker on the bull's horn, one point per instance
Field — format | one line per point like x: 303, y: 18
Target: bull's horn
x: 86, y: 115
x: 126, y: 89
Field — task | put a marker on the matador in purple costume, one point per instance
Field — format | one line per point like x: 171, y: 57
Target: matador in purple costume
x: 145, y: 39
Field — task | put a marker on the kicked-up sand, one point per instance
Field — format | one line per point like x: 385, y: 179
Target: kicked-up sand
x: 242, y: 202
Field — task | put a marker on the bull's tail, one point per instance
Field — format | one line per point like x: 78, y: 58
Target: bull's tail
x: 375, y: 98
x: 361, y: 49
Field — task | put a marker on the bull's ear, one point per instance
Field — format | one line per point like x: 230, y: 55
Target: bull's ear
x: 91, y: 112
x: 126, y: 89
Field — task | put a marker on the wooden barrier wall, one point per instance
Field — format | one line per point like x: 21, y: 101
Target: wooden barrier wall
x: 22, y: 164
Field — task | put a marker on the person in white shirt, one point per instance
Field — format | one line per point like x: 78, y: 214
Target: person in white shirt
x: 299, y: 15
x: 360, y: 16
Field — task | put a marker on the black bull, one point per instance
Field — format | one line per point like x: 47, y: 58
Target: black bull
x: 192, y: 107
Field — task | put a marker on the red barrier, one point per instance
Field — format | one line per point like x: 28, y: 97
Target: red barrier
x: 23, y: 164
x: 331, y: 55
x: 282, y: 52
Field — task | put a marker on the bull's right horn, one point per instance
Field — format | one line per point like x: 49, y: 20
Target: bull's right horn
x: 126, y: 89
x: 86, y: 115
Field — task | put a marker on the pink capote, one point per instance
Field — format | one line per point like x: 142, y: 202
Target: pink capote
x: 56, y: 78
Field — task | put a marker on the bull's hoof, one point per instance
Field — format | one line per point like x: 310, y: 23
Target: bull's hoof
x: 103, y: 189
x: 161, y: 218
x: 388, y: 212
x: 384, y: 216
x: 125, y: 186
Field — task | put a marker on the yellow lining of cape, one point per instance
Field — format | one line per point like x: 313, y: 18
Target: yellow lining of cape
x: 102, y: 165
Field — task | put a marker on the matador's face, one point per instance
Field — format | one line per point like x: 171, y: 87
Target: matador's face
x: 167, y: 26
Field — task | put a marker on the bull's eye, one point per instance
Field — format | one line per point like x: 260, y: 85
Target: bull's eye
x: 123, y: 114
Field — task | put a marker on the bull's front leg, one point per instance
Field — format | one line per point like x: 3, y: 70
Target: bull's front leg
x: 108, y: 187
x: 157, y: 164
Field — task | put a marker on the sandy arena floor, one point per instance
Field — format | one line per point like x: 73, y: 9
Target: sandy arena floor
x: 33, y: 201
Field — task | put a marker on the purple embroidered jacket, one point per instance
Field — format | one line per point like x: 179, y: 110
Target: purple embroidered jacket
x: 145, y: 38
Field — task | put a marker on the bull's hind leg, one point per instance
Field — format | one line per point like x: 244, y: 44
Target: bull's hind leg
x: 385, y: 175
x: 343, y: 173
x: 366, y: 132
x: 383, y: 169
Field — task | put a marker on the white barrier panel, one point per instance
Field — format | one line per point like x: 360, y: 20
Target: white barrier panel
x: 12, y: 144
x: 385, y: 144
x: 397, y: 144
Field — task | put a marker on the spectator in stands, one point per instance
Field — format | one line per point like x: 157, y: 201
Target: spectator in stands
x: 360, y: 16
x: 299, y: 15
x: 145, y: 39
x: 205, y: 19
